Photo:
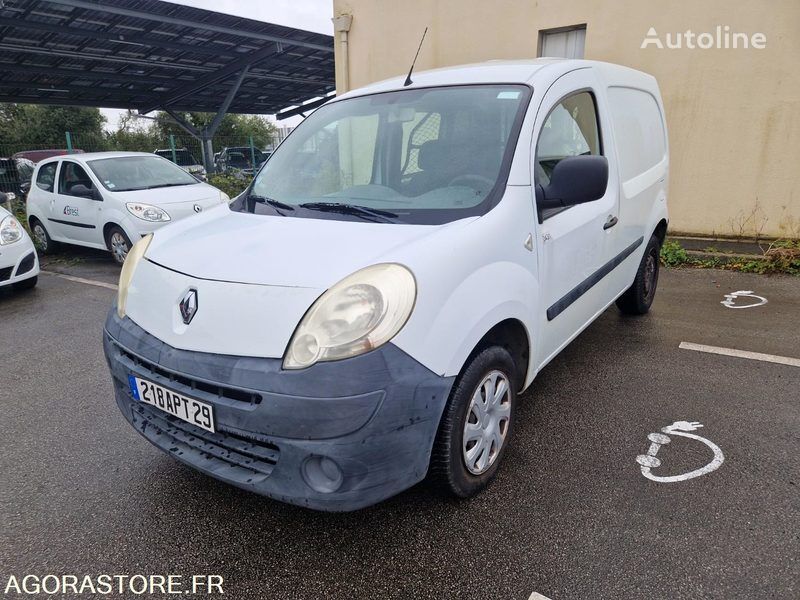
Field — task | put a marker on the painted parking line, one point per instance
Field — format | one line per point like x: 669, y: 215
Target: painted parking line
x: 94, y: 282
x: 772, y: 358
x: 537, y: 596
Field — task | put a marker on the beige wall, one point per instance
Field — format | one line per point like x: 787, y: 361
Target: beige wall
x: 733, y: 115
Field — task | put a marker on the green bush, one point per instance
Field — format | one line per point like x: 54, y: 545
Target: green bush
x: 673, y: 254
x: 233, y: 185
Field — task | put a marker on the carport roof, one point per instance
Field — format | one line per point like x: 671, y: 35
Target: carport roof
x: 149, y: 54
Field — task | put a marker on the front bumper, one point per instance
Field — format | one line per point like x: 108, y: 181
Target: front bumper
x: 18, y: 262
x: 375, y: 416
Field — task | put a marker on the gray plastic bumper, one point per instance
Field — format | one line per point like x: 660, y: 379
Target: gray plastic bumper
x: 375, y: 416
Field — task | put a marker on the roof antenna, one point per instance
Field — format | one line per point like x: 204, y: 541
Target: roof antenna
x: 411, y: 70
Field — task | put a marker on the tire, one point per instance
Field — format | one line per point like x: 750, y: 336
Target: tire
x: 450, y: 469
x: 118, y: 244
x: 41, y: 237
x: 26, y: 284
x: 638, y: 298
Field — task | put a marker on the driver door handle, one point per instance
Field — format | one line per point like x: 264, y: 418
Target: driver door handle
x: 610, y: 222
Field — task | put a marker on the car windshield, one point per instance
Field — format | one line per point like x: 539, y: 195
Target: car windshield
x: 182, y: 157
x: 430, y: 155
x: 129, y: 173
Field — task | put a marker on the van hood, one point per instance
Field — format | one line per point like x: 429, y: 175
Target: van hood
x: 221, y: 245
x: 200, y: 192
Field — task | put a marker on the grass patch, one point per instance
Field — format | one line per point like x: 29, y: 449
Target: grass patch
x: 781, y: 257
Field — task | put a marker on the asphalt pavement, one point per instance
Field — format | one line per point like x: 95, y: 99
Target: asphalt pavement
x: 570, y: 514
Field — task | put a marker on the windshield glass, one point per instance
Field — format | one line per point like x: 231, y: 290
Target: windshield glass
x: 182, y: 157
x: 128, y: 173
x: 424, y: 156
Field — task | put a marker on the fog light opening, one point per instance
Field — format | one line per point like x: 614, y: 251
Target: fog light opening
x: 322, y: 474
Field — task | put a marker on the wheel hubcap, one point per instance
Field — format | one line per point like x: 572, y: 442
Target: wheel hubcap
x: 650, y: 274
x: 119, y: 247
x: 40, y: 236
x: 488, y: 417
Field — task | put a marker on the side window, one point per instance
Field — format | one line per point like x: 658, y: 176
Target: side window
x: 571, y: 129
x: 71, y: 175
x: 46, y: 177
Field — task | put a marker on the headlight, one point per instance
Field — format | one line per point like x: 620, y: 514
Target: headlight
x: 146, y: 212
x: 223, y: 197
x: 10, y: 230
x: 361, y: 312
x: 135, y: 254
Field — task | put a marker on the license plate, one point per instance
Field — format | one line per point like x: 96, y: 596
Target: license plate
x: 185, y: 408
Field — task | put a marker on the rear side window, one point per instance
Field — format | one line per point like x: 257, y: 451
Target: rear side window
x: 638, y: 129
x: 71, y: 175
x: 46, y: 177
x: 570, y: 129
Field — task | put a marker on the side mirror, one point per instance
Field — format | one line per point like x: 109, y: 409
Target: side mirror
x: 575, y: 180
x: 82, y: 191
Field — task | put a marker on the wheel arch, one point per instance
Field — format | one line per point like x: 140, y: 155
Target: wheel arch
x: 512, y: 335
x: 661, y: 231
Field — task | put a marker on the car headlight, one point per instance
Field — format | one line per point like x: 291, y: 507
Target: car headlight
x: 10, y: 230
x: 223, y: 197
x: 361, y: 312
x: 135, y: 254
x: 147, y: 212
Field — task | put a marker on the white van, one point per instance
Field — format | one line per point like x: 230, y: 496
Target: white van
x: 367, y: 312
x: 108, y: 200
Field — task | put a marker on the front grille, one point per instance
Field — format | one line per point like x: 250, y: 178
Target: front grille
x: 235, y: 394
x: 5, y: 274
x: 226, y: 454
x: 26, y: 264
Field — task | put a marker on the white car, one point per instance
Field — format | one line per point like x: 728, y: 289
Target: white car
x: 19, y: 265
x: 367, y: 312
x: 108, y: 200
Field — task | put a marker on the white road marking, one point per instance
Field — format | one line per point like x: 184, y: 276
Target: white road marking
x: 537, y: 596
x: 730, y: 299
x: 772, y: 358
x: 101, y: 284
x: 648, y: 461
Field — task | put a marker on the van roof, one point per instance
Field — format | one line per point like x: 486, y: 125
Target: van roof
x: 525, y: 71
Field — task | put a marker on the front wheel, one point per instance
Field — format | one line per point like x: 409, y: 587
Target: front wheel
x: 476, y: 424
x: 638, y: 298
x: 41, y: 238
x: 118, y: 244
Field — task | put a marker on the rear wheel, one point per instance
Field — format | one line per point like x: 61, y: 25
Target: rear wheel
x: 476, y: 424
x: 42, y: 239
x: 118, y: 244
x: 638, y: 298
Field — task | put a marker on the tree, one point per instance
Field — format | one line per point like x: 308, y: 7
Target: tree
x: 233, y: 130
x: 29, y: 126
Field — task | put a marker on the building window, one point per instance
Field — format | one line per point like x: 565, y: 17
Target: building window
x: 563, y: 42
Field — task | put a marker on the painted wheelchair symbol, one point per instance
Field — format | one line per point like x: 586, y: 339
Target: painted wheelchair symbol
x: 730, y: 299
x: 649, y: 461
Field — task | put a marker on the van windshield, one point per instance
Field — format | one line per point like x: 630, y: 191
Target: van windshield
x: 430, y: 155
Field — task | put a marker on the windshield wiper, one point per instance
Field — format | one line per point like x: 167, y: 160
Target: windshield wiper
x: 351, y: 209
x: 276, y: 204
x: 163, y: 185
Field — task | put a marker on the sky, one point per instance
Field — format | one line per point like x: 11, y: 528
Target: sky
x: 313, y: 15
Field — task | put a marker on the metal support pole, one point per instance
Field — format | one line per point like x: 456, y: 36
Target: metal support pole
x: 69, y: 142
x: 252, y: 155
x: 172, y: 147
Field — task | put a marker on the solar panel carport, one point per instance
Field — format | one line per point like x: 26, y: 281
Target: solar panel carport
x: 149, y: 54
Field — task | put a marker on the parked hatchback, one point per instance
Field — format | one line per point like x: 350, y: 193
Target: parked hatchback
x: 107, y: 200
x: 19, y: 265
x: 368, y: 311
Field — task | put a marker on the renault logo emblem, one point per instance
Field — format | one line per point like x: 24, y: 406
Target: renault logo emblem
x: 188, y: 306
x: 198, y: 208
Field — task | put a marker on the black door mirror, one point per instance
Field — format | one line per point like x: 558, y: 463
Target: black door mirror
x: 575, y: 180
x: 82, y: 191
